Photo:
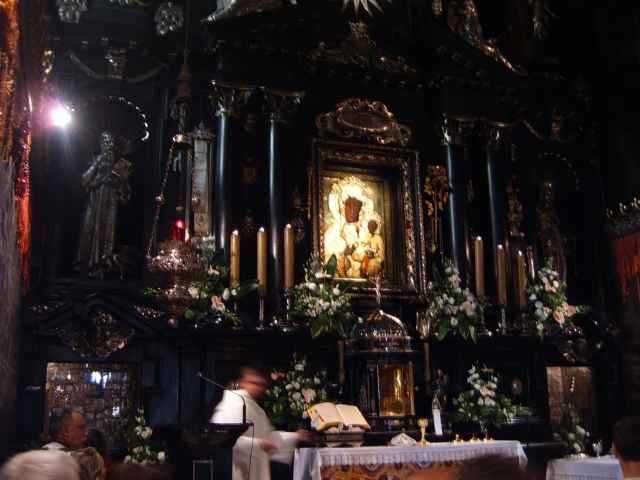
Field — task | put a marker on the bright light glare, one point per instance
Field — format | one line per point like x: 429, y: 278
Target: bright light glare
x: 60, y: 116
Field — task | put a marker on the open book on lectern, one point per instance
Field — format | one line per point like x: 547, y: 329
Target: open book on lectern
x: 326, y: 415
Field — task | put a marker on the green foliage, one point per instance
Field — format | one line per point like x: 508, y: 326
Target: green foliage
x: 570, y: 431
x: 547, y: 303
x: 321, y: 300
x: 452, y: 308
x: 482, y: 403
x: 140, y: 450
x: 209, y: 292
x: 292, y: 393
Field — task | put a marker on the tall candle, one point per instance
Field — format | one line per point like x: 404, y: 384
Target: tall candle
x: 521, y: 270
x: 531, y: 265
x: 478, y: 254
x: 262, y: 262
x: 501, y: 266
x: 234, y: 270
x: 289, y: 256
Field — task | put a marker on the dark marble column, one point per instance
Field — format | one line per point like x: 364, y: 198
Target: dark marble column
x: 456, y: 137
x: 226, y: 98
x: 279, y: 106
x: 497, y: 155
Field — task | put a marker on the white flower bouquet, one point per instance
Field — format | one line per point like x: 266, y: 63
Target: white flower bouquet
x: 570, y: 431
x: 194, y: 279
x: 547, y: 303
x: 139, y: 449
x: 209, y: 293
x: 482, y: 404
x: 292, y: 393
x: 451, y: 307
x: 321, y: 300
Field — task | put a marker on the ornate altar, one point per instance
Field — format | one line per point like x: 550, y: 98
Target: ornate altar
x: 350, y: 176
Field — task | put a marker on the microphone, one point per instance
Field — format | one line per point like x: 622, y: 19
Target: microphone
x: 213, y: 382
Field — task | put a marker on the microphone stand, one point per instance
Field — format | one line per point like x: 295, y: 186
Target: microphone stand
x: 213, y: 382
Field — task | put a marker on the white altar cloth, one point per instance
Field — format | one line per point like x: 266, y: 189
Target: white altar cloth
x: 601, y: 468
x: 309, y: 461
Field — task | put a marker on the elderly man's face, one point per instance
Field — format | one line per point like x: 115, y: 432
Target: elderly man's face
x: 74, y: 433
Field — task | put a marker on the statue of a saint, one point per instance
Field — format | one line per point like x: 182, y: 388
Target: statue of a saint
x: 107, y: 183
x: 551, y: 238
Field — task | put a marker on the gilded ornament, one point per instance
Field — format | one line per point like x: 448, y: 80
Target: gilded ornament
x: 436, y: 189
x: 371, y: 121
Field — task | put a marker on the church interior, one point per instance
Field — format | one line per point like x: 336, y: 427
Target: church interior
x: 426, y: 209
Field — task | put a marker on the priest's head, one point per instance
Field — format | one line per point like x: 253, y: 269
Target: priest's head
x: 69, y: 428
x: 254, y: 381
x: 626, y: 445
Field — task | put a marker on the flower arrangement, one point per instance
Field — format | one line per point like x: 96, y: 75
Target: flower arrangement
x: 322, y: 300
x: 209, y: 292
x: 570, y: 432
x: 451, y: 307
x: 482, y: 403
x: 139, y: 450
x: 547, y: 303
x: 200, y: 281
x: 292, y: 392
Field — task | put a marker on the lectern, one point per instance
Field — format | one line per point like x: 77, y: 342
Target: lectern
x: 206, y: 450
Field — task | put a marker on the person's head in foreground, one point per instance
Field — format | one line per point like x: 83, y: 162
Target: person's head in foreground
x: 40, y: 465
x: 254, y: 381
x: 91, y: 464
x: 626, y: 445
x: 69, y: 428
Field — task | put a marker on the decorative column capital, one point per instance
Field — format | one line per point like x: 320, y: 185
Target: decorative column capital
x: 281, y: 104
x: 456, y: 131
x: 497, y: 135
x: 227, y: 98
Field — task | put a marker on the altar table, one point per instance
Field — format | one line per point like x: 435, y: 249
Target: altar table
x: 601, y: 468
x: 373, y: 463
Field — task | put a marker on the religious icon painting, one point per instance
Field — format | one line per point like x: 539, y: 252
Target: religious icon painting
x: 368, y: 214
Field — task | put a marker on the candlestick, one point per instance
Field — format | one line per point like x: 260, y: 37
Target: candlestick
x: 262, y: 262
x: 502, y: 275
x: 521, y: 279
x: 234, y: 270
x: 289, y: 256
x: 531, y: 265
x: 478, y: 252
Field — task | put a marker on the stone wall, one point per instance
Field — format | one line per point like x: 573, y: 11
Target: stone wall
x: 10, y: 285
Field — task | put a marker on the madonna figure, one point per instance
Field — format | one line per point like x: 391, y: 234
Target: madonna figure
x: 107, y: 183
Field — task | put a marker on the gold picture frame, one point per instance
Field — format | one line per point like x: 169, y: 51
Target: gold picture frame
x: 367, y: 210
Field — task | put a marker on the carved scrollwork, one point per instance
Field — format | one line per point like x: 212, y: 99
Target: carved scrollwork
x: 228, y: 98
x: 98, y: 336
x: 361, y: 119
x: 280, y: 104
x: 148, y: 313
x: 497, y: 136
x: 359, y: 49
x: 456, y: 131
x: 515, y: 212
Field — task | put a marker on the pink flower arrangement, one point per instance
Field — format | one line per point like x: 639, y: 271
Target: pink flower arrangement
x: 548, y: 304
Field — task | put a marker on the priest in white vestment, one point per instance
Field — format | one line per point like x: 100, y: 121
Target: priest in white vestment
x: 260, y: 443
